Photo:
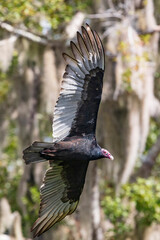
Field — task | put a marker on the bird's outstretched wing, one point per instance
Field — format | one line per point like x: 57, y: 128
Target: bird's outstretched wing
x: 60, y: 192
x: 77, y: 107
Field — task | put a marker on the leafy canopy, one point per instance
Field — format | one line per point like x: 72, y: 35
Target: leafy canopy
x: 141, y: 198
x: 29, y: 13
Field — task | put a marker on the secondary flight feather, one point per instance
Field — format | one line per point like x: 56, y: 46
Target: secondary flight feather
x: 74, y: 143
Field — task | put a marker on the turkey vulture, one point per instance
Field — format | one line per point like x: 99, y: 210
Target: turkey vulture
x: 74, y: 143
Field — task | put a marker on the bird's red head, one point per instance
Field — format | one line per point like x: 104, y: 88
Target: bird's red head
x: 106, y: 154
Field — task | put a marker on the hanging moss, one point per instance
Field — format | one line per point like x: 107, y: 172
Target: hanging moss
x: 10, y: 169
x: 5, y: 80
x: 4, y: 87
x: 126, y: 78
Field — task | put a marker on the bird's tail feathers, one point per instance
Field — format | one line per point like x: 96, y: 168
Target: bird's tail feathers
x: 32, y: 154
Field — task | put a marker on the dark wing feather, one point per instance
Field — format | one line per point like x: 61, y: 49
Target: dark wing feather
x: 77, y: 107
x: 60, y: 192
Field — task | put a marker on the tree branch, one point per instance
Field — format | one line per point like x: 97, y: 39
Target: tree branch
x: 107, y: 14
x: 155, y: 108
x: 151, y: 31
x: 148, y: 162
x: 110, y: 3
x: 30, y: 36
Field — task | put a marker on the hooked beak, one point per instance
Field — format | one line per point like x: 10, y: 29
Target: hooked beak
x: 107, y: 154
x: 111, y: 157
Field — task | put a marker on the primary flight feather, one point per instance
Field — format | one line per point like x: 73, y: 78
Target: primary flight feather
x: 74, y: 143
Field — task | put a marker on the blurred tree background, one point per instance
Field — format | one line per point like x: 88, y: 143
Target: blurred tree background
x: 121, y: 199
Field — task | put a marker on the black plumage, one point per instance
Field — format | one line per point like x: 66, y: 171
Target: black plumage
x: 74, y: 143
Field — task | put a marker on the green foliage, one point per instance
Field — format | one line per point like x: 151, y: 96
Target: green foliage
x: 144, y: 194
x: 123, y: 47
x: 5, y: 83
x: 31, y: 202
x: 4, y: 86
x: 10, y: 168
x: 145, y: 38
x: 30, y: 12
x: 154, y: 132
x: 116, y: 212
x: 157, y: 84
x: 13, y: 65
x: 126, y: 78
x: 132, y: 62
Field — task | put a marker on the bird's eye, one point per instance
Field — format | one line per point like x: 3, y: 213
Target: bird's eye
x: 105, y: 152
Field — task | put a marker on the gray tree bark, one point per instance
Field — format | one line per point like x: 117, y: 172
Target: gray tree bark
x: 128, y: 97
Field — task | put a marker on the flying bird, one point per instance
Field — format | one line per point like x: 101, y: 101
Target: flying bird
x: 74, y: 143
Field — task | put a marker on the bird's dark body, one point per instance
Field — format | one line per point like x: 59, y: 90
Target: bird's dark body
x: 72, y: 149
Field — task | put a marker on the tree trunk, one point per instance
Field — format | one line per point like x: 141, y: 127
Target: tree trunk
x: 89, y: 209
x: 128, y: 95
